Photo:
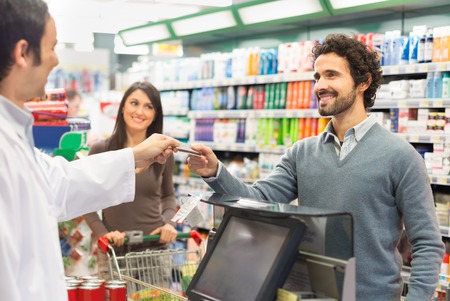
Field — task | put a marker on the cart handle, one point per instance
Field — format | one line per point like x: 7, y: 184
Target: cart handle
x: 135, y: 237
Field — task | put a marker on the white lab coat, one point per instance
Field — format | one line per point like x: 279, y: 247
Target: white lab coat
x: 37, y: 191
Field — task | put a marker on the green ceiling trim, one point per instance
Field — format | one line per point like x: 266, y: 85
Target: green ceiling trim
x: 372, y: 6
x: 326, y: 7
x: 234, y: 10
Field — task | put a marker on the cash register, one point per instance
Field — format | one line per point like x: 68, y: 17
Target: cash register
x: 262, y: 246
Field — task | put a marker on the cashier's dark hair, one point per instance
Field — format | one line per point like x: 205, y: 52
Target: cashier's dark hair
x: 21, y: 19
x: 118, y: 138
x: 363, y: 62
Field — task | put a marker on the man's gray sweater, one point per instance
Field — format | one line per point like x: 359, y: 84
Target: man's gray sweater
x: 384, y: 184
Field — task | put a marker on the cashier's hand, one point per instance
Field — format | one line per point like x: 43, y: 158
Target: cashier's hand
x: 167, y: 233
x: 205, y: 166
x: 156, y: 148
x: 116, y: 237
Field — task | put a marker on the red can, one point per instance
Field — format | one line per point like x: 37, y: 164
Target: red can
x: 72, y: 292
x: 87, y: 278
x: 101, y: 283
x: 89, y: 292
x: 116, y: 292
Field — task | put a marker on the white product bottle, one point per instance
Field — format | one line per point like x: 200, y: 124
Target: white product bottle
x: 437, y: 92
x: 446, y: 85
x: 429, y: 46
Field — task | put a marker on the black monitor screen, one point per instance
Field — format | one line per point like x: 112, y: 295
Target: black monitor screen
x: 248, y: 259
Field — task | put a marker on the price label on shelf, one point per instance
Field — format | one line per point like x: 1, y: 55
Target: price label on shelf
x: 403, y: 104
x: 414, y: 138
x: 443, y: 180
x: 424, y: 103
x: 423, y: 67
x: 437, y: 139
x: 438, y: 103
x: 411, y: 68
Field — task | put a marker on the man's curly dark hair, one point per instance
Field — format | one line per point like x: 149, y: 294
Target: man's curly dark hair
x: 363, y: 62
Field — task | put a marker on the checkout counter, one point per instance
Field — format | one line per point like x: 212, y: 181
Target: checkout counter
x: 261, y: 246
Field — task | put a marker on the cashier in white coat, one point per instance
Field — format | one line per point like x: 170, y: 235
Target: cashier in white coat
x: 36, y: 190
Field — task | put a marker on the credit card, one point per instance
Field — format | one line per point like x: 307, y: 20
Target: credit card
x: 184, y: 147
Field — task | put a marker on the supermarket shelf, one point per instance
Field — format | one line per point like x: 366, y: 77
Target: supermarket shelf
x: 175, y: 111
x: 440, y: 179
x: 301, y: 76
x: 412, y: 103
x: 425, y: 137
x: 177, y: 134
x: 249, y: 80
x: 416, y: 68
x: 445, y: 231
x: 300, y: 113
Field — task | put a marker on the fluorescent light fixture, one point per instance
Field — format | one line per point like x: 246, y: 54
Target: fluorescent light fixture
x: 144, y: 34
x: 203, y: 23
x: 338, y: 4
x: 218, y: 3
x: 276, y: 10
x: 120, y: 48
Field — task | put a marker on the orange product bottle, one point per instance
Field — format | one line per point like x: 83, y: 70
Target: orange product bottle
x: 308, y: 127
x: 250, y: 62
x: 445, y: 44
x: 294, y: 101
x: 436, y: 47
x: 322, y: 123
x: 301, y: 128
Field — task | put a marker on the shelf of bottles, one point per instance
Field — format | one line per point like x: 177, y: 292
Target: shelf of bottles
x: 292, y: 77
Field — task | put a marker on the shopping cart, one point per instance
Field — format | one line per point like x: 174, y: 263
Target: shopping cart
x: 154, y: 275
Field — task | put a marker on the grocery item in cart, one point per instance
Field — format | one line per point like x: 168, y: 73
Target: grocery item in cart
x: 150, y: 294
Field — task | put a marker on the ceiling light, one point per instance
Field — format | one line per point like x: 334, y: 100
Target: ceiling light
x: 218, y: 3
x: 275, y: 10
x: 203, y: 23
x: 338, y: 4
x: 144, y: 34
x: 120, y: 48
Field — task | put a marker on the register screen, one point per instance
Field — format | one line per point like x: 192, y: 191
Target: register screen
x: 241, y: 260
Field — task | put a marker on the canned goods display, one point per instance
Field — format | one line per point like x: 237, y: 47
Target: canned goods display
x: 90, y: 292
x: 101, y: 284
x: 72, y: 292
x: 116, y: 292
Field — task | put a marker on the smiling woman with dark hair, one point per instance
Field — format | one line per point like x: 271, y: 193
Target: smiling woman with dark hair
x: 139, y: 116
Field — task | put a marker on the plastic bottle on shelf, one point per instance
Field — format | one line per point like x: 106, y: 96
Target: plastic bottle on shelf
x: 387, y: 48
x: 445, y: 44
x: 430, y: 85
x: 437, y: 36
x: 437, y: 84
x: 421, y: 49
x: 428, y: 55
x: 446, y: 85
x: 396, y: 46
